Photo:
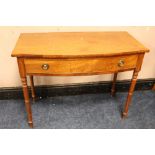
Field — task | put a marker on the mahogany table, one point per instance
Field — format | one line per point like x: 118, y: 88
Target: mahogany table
x: 75, y: 54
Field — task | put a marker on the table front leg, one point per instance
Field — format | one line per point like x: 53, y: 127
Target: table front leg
x: 32, y: 87
x: 27, y: 101
x: 22, y: 72
x: 113, y: 88
x: 130, y: 93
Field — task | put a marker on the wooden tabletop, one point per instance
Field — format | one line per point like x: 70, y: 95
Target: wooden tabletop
x: 76, y: 44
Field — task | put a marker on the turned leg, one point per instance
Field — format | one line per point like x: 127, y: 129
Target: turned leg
x: 113, y: 88
x: 132, y: 87
x: 27, y: 101
x: 32, y: 87
x: 22, y: 72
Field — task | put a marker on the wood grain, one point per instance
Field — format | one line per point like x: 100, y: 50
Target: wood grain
x: 76, y: 44
x: 82, y: 66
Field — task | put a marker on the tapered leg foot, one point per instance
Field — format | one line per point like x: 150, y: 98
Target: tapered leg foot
x: 30, y: 124
x: 124, y: 115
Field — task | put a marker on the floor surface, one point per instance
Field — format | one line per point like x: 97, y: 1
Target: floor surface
x: 87, y: 111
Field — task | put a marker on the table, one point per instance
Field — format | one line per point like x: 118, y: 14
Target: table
x: 75, y: 54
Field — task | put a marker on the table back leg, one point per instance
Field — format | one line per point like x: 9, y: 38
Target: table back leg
x: 32, y: 87
x: 113, y: 88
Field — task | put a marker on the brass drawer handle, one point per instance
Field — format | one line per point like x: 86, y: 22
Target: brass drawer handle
x: 45, y: 66
x: 121, y: 63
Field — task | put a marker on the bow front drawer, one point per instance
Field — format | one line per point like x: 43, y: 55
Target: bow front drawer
x: 80, y: 66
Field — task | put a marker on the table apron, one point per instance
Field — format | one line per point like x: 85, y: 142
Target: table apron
x: 80, y: 66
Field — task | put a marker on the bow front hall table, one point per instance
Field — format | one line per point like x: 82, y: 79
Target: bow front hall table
x: 75, y: 54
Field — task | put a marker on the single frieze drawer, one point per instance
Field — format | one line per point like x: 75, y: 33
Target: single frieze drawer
x: 80, y: 65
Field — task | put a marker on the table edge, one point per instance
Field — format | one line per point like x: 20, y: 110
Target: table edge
x: 80, y: 56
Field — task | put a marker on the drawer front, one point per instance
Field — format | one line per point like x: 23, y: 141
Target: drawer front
x: 80, y: 65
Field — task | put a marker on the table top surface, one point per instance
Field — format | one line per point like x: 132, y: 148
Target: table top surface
x: 76, y: 44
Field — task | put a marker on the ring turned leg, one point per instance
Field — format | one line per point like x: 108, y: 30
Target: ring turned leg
x: 132, y: 87
x: 22, y: 72
x: 32, y: 87
x: 27, y: 101
x: 113, y: 88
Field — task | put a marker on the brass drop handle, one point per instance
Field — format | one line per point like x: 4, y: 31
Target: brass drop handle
x: 121, y: 63
x: 45, y: 66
